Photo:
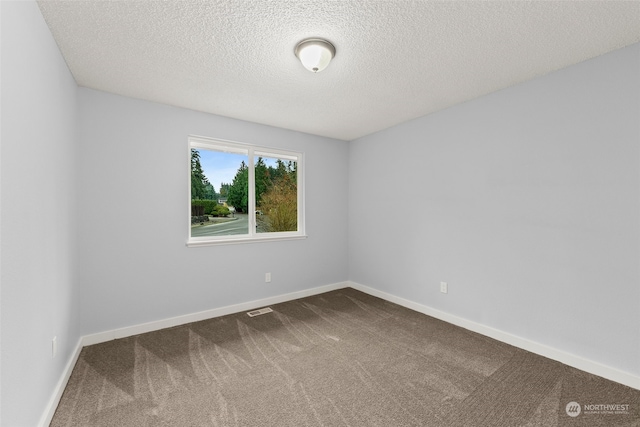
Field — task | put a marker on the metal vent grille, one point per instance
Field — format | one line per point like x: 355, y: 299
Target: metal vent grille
x: 255, y: 313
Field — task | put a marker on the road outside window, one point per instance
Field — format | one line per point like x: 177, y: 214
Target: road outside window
x: 241, y: 193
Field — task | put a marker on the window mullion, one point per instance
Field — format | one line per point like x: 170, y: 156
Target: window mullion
x: 300, y: 193
x: 252, y: 194
x: 277, y: 219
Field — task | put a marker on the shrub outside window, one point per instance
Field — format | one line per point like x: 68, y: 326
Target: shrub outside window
x: 243, y: 193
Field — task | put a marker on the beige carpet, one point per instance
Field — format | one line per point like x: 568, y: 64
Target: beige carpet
x: 342, y: 358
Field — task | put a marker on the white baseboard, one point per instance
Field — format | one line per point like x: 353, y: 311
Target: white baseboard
x: 100, y: 337
x: 534, y: 347
x: 525, y: 344
x: 203, y: 315
x: 50, y: 410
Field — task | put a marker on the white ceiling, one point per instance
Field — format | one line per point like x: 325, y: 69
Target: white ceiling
x: 395, y: 60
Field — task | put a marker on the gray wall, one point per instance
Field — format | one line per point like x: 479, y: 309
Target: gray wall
x: 525, y: 201
x: 134, y: 176
x: 122, y: 260
x: 38, y: 258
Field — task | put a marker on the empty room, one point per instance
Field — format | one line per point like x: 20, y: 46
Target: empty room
x: 320, y: 213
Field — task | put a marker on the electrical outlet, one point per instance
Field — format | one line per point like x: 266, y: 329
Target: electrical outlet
x: 267, y: 277
x: 444, y: 288
x: 54, y: 347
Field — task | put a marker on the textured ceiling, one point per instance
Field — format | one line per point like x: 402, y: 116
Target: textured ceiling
x: 395, y: 60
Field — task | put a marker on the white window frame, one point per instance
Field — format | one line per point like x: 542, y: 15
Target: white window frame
x: 253, y: 152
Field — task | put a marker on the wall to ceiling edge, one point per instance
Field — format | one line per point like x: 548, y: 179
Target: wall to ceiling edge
x: 40, y: 292
x: 526, y: 202
x: 134, y: 264
x: 94, y: 217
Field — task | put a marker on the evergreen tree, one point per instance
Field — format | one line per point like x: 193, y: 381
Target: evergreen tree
x: 262, y: 179
x: 239, y: 190
x: 210, y: 192
x: 224, y: 190
x: 199, y: 181
x: 279, y: 171
x: 292, y: 170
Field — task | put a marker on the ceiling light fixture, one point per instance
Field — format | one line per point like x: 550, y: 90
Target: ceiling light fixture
x: 315, y: 54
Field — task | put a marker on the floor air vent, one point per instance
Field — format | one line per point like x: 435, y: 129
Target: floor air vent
x: 255, y: 313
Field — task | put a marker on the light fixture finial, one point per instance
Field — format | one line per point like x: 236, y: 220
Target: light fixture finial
x: 315, y: 54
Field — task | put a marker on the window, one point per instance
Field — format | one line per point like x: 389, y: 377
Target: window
x: 243, y: 193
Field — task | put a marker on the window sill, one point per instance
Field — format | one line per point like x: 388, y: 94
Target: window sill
x: 198, y: 243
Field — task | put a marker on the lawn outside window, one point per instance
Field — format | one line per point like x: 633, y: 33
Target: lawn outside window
x: 242, y: 193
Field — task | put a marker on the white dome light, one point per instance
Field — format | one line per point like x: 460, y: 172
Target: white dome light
x: 315, y: 54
